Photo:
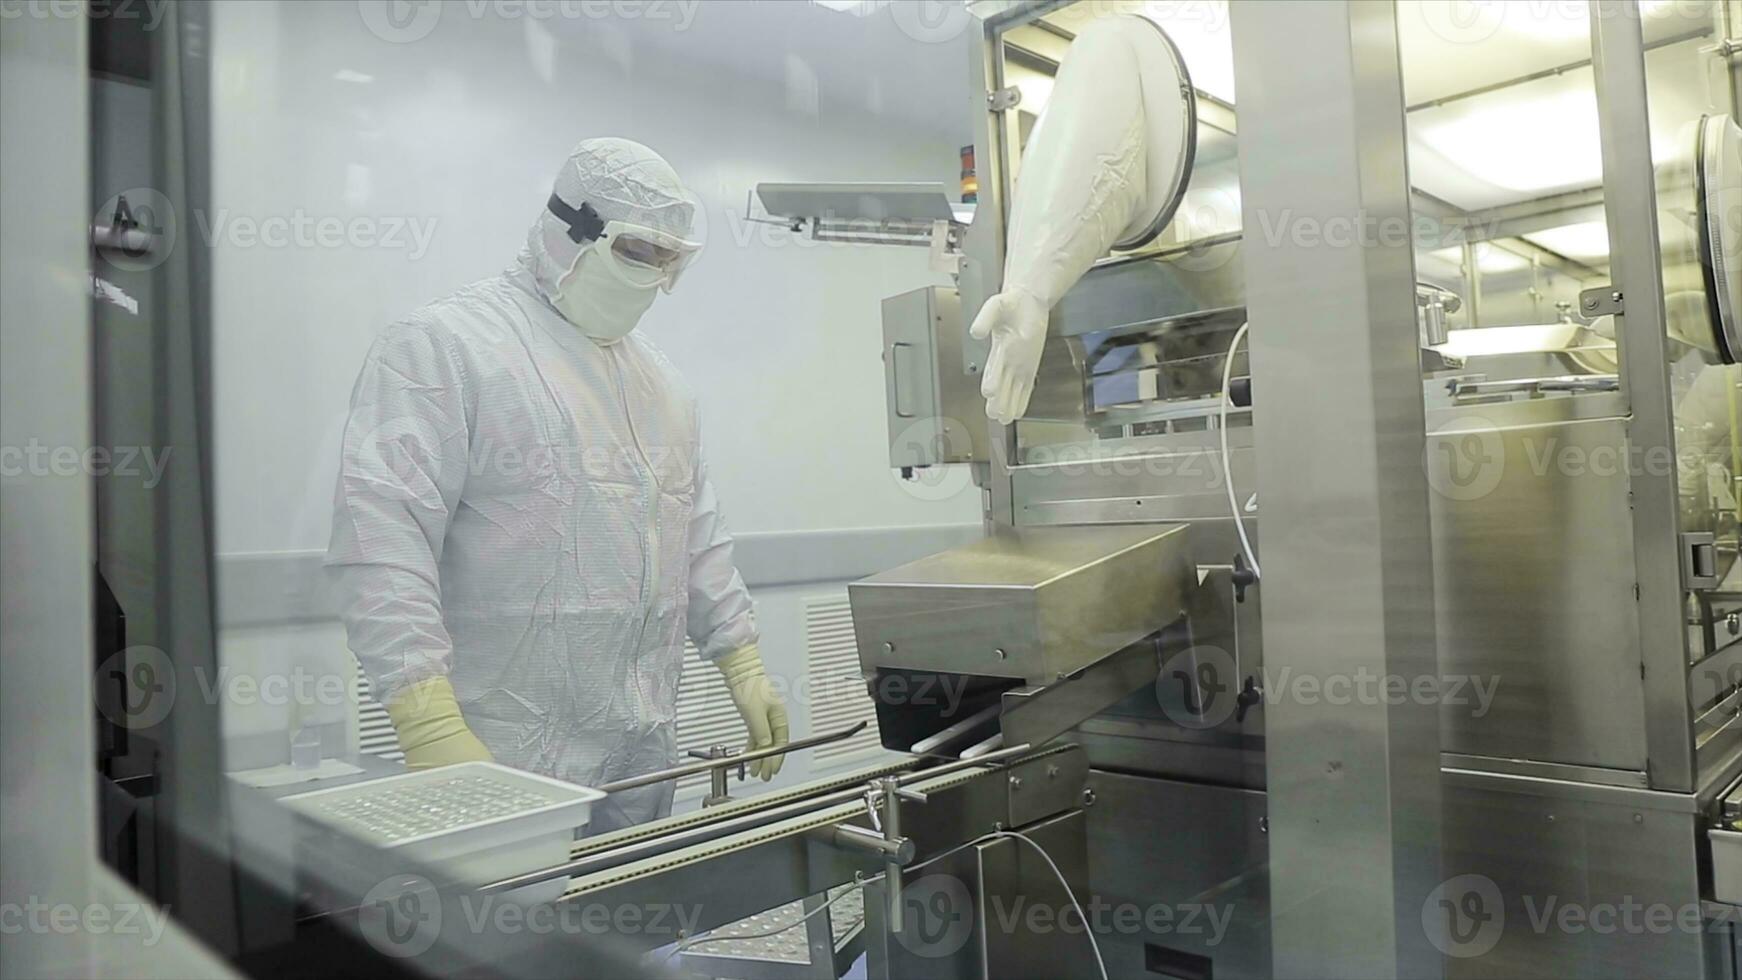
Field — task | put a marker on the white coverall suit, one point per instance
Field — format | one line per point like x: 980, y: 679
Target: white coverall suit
x: 526, y: 510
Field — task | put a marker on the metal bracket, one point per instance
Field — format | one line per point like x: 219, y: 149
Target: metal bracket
x: 1601, y: 301
x: 1699, y: 560
x: 946, y: 247
x: 1008, y: 97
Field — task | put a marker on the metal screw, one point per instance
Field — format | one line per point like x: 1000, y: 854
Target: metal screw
x: 888, y: 648
x: 1551, y: 818
x: 1000, y: 654
x: 1639, y: 818
x: 1088, y: 796
x: 1015, y: 782
x: 1052, y: 772
x: 1264, y: 825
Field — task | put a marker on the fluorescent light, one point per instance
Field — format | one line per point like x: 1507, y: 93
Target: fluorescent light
x: 857, y: 7
x: 1587, y: 241
x: 1200, y: 31
x: 1529, y: 144
x: 1489, y: 258
x: 354, y: 77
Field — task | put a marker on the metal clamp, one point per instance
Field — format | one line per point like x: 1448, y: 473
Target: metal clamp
x: 1601, y: 301
x: 883, y: 802
x: 1004, y: 99
x: 717, y: 791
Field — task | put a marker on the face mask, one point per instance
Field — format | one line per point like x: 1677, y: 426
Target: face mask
x: 605, y: 299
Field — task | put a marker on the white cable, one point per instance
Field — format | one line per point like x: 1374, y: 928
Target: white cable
x: 1227, y: 462
x: 1088, y: 927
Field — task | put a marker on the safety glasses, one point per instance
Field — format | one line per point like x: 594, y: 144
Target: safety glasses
x: 644, y: 256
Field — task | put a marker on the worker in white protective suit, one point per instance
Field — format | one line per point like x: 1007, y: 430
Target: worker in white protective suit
x: 1103, y: 169
x: 524, y: 529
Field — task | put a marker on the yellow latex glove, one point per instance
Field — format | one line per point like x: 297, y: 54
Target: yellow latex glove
x: 763, y: 711
x: 431, y: 729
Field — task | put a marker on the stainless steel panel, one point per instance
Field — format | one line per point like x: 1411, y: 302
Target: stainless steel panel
x: 1197, y: 851
x: 1046, y: 787
x: 1036, y: 715
x: 1348, y: 583
x: 971, y: 915
x: 932, y: 392
x: 1535, y: 590
x: 1546, y: 770
x: 1032, y: 603
x: 1543, y: 882
x: 1026, y: 918
x: 869, y: 203
x: 1618, y: 59
x: 1136, y: 294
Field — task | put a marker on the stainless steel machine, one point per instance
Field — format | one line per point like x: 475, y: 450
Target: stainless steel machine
x: 1477, y: 713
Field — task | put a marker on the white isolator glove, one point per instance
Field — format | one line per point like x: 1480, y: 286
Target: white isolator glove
x: 1104, y: 168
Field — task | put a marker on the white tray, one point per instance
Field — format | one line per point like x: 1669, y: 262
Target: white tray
x: 521, y: 821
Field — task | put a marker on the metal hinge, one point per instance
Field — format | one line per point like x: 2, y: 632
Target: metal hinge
x: 1008, y: 97
x: 1601, y: 301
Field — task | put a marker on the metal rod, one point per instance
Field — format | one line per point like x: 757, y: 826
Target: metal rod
x: 654, y: 846
x: 850, y: 837
x: 725, y: 827
x: 983, y: 748
x: 925, y: 746
x: 965, y: 762
x: 678, y: 772
x: 890, y: 786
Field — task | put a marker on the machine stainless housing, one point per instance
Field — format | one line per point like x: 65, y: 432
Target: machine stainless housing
x: 1037, y: 604
x: 932, y: 381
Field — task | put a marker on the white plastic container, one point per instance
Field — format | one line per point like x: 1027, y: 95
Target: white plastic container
x: 476, y: 822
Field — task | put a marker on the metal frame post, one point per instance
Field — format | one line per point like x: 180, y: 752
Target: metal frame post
x: 1630, y: 205
x: 1354, y: 788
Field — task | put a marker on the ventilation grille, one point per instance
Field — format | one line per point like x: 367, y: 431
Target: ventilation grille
x: 375, y: 735
x: 705, y: 714
x: 832, y: 677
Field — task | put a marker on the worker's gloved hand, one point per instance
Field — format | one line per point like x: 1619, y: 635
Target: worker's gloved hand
x: 431, y: 729
x: 1016, y: 323
x: 763, y: 711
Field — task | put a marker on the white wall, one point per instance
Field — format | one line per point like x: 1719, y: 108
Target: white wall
x: 461, y: 132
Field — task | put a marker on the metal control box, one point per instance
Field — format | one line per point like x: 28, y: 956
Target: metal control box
x: 1032, y: 603
x: 932, y: 382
